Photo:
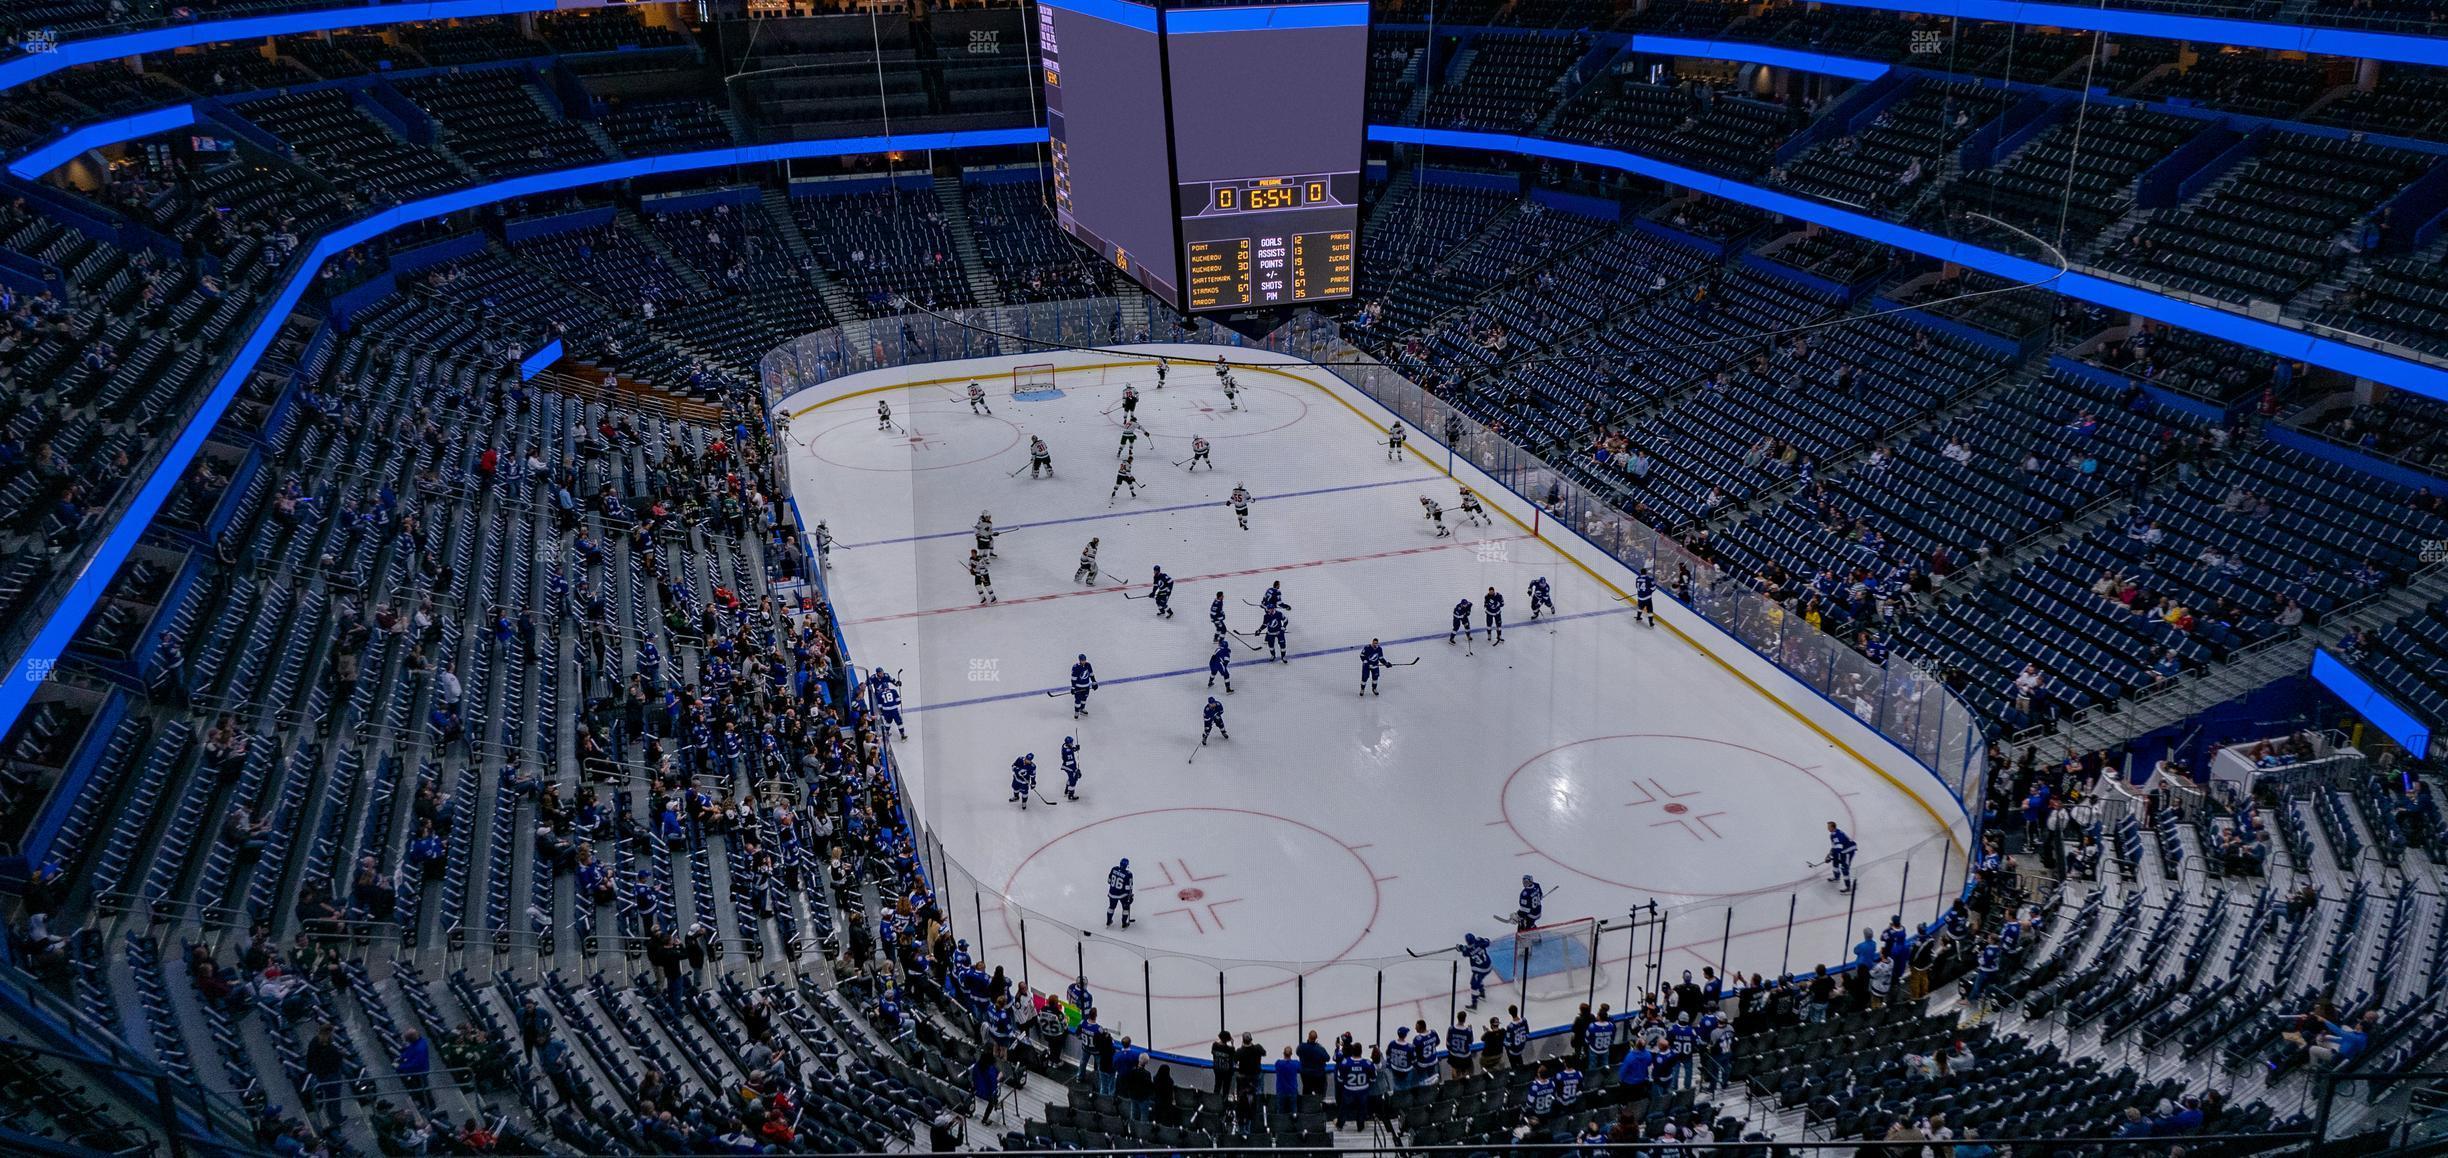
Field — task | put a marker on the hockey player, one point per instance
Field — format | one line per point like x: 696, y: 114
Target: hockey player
x: 1273, y: 630
x: 1160, y: 586
x: 1435, y: 514
x: 1198, y: 452
x: 1232, y: 392
x: 1024, y: 779
x: 1240, y: 501
x: 1542, y: 599
x: 1087, y: 572
x: 1213, y: 719
x: 1274, y: 597
x: 888, y: 704
x: 1215, y: 614
x: 977, y: 399
x: 1473, y: 511
x: 1394, y: 441
x: 1071, y: 769
x: 1130, y: 402
x: 1372, y: 662
x: 1083, y: 681
x: 1531, y: 905
x: 1123, y: 478
x: 1461, y: 620
x: 1644, y: 598
x: 883, y: 415
x: 1493, y: 604
x: 1219, y: 664
x: 979, y: 576
x: 1840, y: 857
x: 1163, y: 367
x: 1475, y: 951
x: 1222, y: 371
x: 1130, y: 438
x: 1118, y: 892
x: 985, y: 531
x: 1040, y: 458
x: 824, y: 544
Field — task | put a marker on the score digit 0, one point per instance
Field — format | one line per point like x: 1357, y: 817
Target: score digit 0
x: 1317, y: 192
x: 1227, y: 198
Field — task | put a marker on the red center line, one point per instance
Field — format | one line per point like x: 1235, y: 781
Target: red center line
x: 1241, y: 574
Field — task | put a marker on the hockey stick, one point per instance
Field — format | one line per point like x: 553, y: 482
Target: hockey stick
x: 1041, y: 798
x: 1251, y: 604
x: 1194, y: 751
x: 1015, y: 471
x: 1183, y: 462
x: 1430, y: 953
x: 1403, y: 662
x: 1127, y: 595
x: 1052, y: 692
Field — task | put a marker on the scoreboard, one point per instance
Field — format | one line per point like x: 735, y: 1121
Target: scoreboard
x: 1250, y: 113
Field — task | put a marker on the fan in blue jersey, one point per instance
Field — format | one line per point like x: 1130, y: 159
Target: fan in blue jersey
x: 1275, y: 631
x: 1542, y: 599
x: 1213, y: 720
x: 1475, y: 950
x: 1372, y: 661
x: 1161, y: 586
x: 1118, y: 892
x: 1461, y: 621
x: 1024, y: 779
x: 1083, y: 681
x: 1644, y: 598
x: 1531, y: 905
x: 1840, y: 857
x: 1493, y: 604
x: 1071, y: 768
x: 1219, y: 665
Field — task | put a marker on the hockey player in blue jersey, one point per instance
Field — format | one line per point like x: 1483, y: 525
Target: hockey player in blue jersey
x: 1644, y: 596
x: 1118, y: 892
x: 1274, y: 631
x: 1531, y: 905
x: 1542, y: 599
x: 1215, y: 614
x: 1461, y: 621
x: 1372, y: 661
x: 1840, y: 857
x: 1083, y: 681
x: 1161, y: 587
x: 1024, y: 779
x: 1493, y: 604
x: 1274, y: 598
x: 1213, y: 720
x: 1071, y: 768
x: 1219, y: 665
x: 888, y: 704
x: 1475, y: 950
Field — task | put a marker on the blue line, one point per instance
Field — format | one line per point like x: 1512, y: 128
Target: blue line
x: 1201, y: 670
x: 1140, y: 511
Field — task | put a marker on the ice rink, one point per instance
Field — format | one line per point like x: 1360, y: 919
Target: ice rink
x: 1284, y: 874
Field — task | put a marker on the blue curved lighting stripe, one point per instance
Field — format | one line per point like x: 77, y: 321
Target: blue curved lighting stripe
x: 2404, y: 47
x: 2426, y: 380
x: 94, y: 136
x: 1266, y: 17
x: 85, y: 591
x: 1751, y: 53
x: 70, y: 53
x: 2372, y: 703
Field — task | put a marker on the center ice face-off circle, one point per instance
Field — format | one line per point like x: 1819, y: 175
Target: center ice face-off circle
x: 1671, y: 815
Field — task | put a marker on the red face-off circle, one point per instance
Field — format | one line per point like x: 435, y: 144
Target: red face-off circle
x: 1191, y: 894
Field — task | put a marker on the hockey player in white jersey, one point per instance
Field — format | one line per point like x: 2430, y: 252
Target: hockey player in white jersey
x: 1435, y: 514
x: 1198, y: 452
x: 981, y: 577
x: 985, y: 532
x: 1472, y: 511
x: 1395, y: 435
x: 1087, y: 572
x: 977, y: 399
x: 1124, y: 476
x: 1240, y: 501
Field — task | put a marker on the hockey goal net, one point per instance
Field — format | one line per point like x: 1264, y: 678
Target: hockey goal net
x: 1034, y: 380
x: 1553, y: 962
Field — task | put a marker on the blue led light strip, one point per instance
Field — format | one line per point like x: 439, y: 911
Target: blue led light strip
x: 2346, y: 358
x: 85, y: 590
x: 94, y: 136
